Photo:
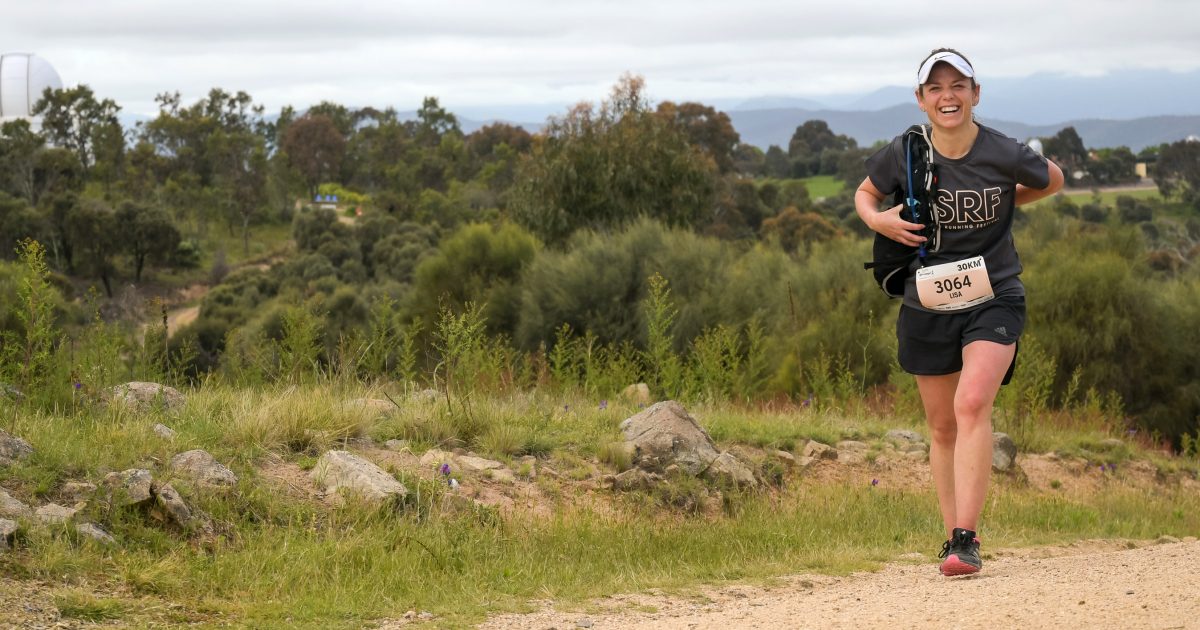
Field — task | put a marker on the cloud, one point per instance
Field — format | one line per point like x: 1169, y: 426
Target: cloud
x: 475, y: 52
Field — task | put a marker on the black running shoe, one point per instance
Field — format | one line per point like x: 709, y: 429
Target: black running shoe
x: 961, y: 553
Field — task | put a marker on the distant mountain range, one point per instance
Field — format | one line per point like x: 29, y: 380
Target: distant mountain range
x: 775, y: 126
x: 1133, y: 108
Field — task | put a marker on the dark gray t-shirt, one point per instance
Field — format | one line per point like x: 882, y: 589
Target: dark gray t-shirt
x: 974, y: 203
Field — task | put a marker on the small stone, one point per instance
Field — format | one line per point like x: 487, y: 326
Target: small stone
x: 425, y: 615
x: 94, y: 532
x: 165, y: 432
x: 1004, y: 452
x: 396, y: 445
x: 817, y: 450
x: 12, y: 507
x: 13, y: 448
x: 503, y: 475
x: 1129, y: 592
x: 1166, y: 540
x: 8, y: 529
x: 804, y: 461
x: 54, y: 514
x: 784, y: 457
x: 901, y: 437
x: 412, y: 614
x: 131, y: 486
x: 170, y: 501
x: 852, y: 445
x: 201, y: 467
x: 584, y: 623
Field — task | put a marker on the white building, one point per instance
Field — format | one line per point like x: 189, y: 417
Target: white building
x: 23, y: 78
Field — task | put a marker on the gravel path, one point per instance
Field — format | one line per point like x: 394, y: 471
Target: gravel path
x: 1100, y: 584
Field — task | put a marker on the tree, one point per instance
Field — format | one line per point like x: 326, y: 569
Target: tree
x: 74, y: 120
x: 147, y: 234
x: 603, y: 168
x: 776, y: 164
x: 706, y: 128
x: 809, y: 146
x: 19, y: 147
x: 1066, y: 149
x: 749, y: 160
x: 1178, y: 171
x: 315, y: 147
x: 92, y: 226
x: 793, y: 228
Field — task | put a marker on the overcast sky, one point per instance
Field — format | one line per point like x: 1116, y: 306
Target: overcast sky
x: 467, y: 53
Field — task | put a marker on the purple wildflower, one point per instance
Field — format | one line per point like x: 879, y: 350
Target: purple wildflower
x: 807, y: 401
x: 1112, y: 468
x: 874, y: 482
x: 603, y: 405
x: 445, y: 469
x: 566, y: 407
x: 78, y: 385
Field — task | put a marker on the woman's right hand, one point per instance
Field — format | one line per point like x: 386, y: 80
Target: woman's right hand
x: 889, y: 224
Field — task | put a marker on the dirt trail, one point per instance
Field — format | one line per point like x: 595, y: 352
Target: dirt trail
x: 1101, y: 584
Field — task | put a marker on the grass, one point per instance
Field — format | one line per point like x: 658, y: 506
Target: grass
x: 280, y: 561
x: 823, y: 186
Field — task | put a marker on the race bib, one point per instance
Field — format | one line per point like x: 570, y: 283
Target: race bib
x: 954, y: 285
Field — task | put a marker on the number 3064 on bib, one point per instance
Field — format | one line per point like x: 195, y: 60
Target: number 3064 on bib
x: 954, y: 285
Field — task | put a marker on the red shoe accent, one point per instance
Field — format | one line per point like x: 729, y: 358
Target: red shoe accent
x: 952, y: 566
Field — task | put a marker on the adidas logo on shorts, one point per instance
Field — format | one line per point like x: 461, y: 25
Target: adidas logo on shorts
x: 1003, y: 331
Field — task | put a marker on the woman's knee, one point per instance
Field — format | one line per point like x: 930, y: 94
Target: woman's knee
x: 943, y: 429
x: 972, y: 405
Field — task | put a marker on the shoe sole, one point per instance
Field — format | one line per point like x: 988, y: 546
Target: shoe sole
x: 952, y: 566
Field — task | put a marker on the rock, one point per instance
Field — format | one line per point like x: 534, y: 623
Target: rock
x: 1166, y: 540
x: 344, y: 471
x: 131, y: 487
x: 142, y: 396
x: 396, y: 445
x: 1004, y: 452
x: 902, y: 437
x: 637, y: 393
x: 503, y: 475
x: 13, y: 449
x: 785, y: 457
x: 8, y: 531
x: 78, y: 490
x: 728, y: 468
x: 170, y: 501
x: 94, y: 532
x: 851, y: 445
x: 165, y: 432
x: 915, y: 455
x: 202, y: 468
x: 633, y: 479
x: 54, y: 514
x: 470, y: 463
x: 914, y: 447
x: 665, y: 434
x: 804, y: 461
x: 11, y: 507
x: 584, y: 623
x: 817, y: 450
x: 425, y: 615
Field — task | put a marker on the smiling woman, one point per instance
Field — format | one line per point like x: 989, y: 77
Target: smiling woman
x: 964, y: 304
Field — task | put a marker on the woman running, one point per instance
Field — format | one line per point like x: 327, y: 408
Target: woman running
x: 964, y: 305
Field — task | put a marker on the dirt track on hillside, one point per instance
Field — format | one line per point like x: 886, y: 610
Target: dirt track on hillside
x: 1095, y: 584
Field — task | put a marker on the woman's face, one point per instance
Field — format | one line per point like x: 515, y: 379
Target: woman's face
x: 948, y: 97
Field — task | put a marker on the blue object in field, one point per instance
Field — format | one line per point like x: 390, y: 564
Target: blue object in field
x: 333, y: 198
x: 317, y: 198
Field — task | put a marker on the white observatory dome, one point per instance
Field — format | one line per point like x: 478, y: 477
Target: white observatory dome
x: 23, y: 78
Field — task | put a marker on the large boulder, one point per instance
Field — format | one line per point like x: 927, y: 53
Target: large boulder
x: 202, y: 468
x: 12, y: 449
x: 343, y: 471
x: 816, y: 450
x: 664, y: 434
x: 169, y: 500
x: 143, y: 396
x: 1004, y: 452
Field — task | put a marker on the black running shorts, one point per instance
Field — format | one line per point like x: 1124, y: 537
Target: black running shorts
x: 931, y: 343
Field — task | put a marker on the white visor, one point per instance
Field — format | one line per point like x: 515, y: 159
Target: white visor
x: 954, y: 59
